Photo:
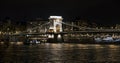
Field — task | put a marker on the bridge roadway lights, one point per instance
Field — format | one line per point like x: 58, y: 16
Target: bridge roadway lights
x: 55, y: 37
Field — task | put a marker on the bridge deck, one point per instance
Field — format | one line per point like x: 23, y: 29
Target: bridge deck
x: 72, y: 32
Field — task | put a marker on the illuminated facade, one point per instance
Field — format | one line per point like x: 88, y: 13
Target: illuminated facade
x: 55, y: 24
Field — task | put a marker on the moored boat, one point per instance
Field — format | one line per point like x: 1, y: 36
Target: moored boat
x: 107, y: 39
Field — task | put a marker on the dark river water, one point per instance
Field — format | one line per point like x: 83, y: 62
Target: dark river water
x: 60, y: 53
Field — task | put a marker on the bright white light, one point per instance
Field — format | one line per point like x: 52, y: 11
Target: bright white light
x: 59, y: 36
x: 50, y: 36
x: 59, y: 17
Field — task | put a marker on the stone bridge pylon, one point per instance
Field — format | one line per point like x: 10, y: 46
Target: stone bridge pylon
x: 55, y: 24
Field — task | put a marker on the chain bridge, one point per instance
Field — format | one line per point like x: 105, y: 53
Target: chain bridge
x: 54, y: 30
x: 55, y: 25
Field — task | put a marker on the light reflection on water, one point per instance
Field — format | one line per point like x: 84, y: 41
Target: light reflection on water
x: 60, y: 53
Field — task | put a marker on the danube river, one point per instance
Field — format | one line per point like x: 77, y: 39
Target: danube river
x: 60, y: 53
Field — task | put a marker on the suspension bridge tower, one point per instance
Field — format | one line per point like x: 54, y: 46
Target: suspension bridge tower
x: 55, y: 28
x: 55, y: 24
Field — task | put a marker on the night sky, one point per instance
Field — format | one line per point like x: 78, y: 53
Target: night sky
x: 99, y: 11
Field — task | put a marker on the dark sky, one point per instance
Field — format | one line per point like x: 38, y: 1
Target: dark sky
x: 100, y: 11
